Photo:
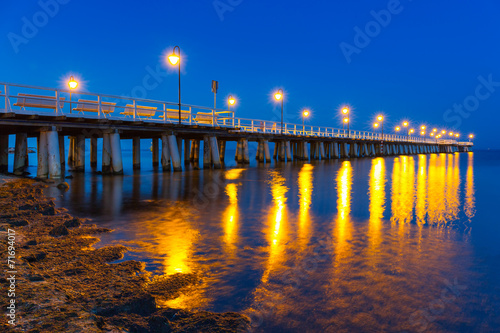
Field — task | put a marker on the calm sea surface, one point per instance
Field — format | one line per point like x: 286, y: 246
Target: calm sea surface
x: 408, y: 243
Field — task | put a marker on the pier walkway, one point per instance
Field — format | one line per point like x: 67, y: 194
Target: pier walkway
x: 50, y: 115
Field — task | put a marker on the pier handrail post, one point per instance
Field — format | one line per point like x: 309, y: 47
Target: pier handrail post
x: 294, y: 129
x: 233, y: 118
x: 99, y: 106
x: 164, y: 112
x: 135, y: 109
x: 57, y: 102
x: 190, y: 115
x: 252, y: 125
x: 7, y: 104
x: 264, y: 130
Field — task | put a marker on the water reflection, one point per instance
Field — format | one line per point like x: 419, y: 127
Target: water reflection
x: 252, y: 235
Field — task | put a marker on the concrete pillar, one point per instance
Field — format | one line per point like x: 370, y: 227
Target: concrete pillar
x: 136, y: 153
x: 116, y: 154
x: 222, y: 152
x: 282, y: 152
x: 165, y: 154
x: 305, y: 151
x: 179, y: 147
x: 62, y: 152
x: 343, y: 150
x: 197, y: 156
x: 246, y: 154
x: 174, y: 152
x: 20, y: 153
x: 4, y: 152
x: 207, y: 158
x: 193, y: 147
x: 54, y: 155
x: 372, y: 150
x: 275, y: 153
x: 93, y: 152
x: 79, y: 154
x: 336, y: 150
x: 71, y: 151
x: 288, y: 151
x: 156, y: 152
x: 106, y: 154
x: 43, y: 165
x: 322, y: 150
x: 267, y: 153
x: 353, y: 151
x: 239, y: 151
x: 187, y: 148
x: 215, y: 152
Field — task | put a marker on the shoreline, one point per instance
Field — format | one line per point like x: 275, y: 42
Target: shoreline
x: 64, y: 284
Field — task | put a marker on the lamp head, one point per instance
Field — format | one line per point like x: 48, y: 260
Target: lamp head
x: 279, y: 95
x: 375, y: 125
x: 72, y: 83
x: 305, y: 113
x: 405, y: 124
x: 346, y: 120
x: 345, y: 110
x: 231, y: 100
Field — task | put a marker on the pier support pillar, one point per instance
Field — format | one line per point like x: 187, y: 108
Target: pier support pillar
x: 305, y: 151
x: 222, y: 152
x: 106, y: 154
x: 93, y: 152
x: 288, y: 151
x: 239, y: 151
x: 353, y: 151
x: 246, y: 153
x: 187, y: 149
x: 174, y: 152
x: 196, y: 154
x: 282, y: 153
x: 20, y: 153
x: 43, y: 164
x: 165, y: 154
x: 193, y: 147
x: 275, y: 153
x: 62, y: 152
x: 215, y: 152
x: 260, y: 151
x: 136, y: 153
x: 267, y: 152
x: 336, y: 150
x: 54, y: 154
x: 4, y: 152
x: 343, y: 150
x: 207, y: 159
x: 116, y: 154
x: 79, y: 154
x: 71, y: 151
x: 156, y: 152
x: 322, y: 150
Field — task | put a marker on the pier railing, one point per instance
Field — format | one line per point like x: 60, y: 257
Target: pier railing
x: 24, y: 99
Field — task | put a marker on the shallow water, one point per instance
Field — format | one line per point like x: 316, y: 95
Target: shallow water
x: 387, y: 244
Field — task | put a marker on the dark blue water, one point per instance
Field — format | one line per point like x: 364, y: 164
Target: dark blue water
x: 390, y: 244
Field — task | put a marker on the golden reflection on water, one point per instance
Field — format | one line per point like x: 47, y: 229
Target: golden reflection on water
x: 403, y: 191
x: 470, y: 200
x: 343, y: 227
x: 421, y: 205
x: 231, y: 216
x: 377, y: 202
x: 305, y: 182
x: 276, y: 229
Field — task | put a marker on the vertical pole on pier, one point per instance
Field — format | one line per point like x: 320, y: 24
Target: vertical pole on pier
x: 276, y: 147
x: 282, y: 153
x: 116, y: 153
x: 106, y: 154
x: 93, y: 152
x: 136, y: 153
x: 156, y: 153
x: 322, y: 150
x: 62, y: 152
x: 215, y: 152
x: 80, y: 153
x: 54, y: 154
x: 179, y: 146
x: 267, y: 152
x: 165, y: 154
x: 4, y: 152
x: 288, y: 151
x: 207, y: 159
x: 193, y: 147
x: 174, y: 152
x: 187, y: 151
x: 240, y: 151
x: 43, y: 165
x: 246, y: 153
x: 71, y: 151
x: 20, y: 153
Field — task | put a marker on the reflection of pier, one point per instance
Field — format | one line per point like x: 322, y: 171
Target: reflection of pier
x: 108, y: 119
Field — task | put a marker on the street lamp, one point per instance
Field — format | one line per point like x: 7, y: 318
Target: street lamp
x: 73, y: 84
x: 346, y: 111
x: 380, y: 118
x: 471, y: 136
x: 279, y: 97
x: 410, y: 132
x: 398, y: 128
x: 175, y: 59
x: 305, y: 114
x: 345, y: 121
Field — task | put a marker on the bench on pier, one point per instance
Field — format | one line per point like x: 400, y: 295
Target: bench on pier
x: 203, y: 118
x: 93, y: 106
x: 142, y: 111
x: 173, y: 114
x: 38, y: 101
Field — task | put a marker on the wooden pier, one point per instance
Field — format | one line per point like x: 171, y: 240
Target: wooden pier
x: 201, y: 136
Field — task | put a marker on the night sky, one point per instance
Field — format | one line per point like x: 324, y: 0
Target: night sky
x: 433, y: 63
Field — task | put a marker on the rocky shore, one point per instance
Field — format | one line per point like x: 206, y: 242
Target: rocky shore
x: 64, y: 284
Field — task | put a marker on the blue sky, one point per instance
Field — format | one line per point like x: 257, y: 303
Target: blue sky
x: 432, y: 63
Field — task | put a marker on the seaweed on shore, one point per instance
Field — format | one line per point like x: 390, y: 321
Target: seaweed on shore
x: 64, y: 284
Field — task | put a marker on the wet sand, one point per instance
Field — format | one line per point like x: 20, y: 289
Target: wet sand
x: 65, y: 284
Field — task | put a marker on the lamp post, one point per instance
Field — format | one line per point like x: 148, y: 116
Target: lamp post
x: 279, y: 97
x: 72, y: 85
x: 175, y: 59
x: 346, y: 111
x: 471, y: 136
x: 405, y: 124
x: 231, y: 101
x: 305, y: 114
x: 380, y: 118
